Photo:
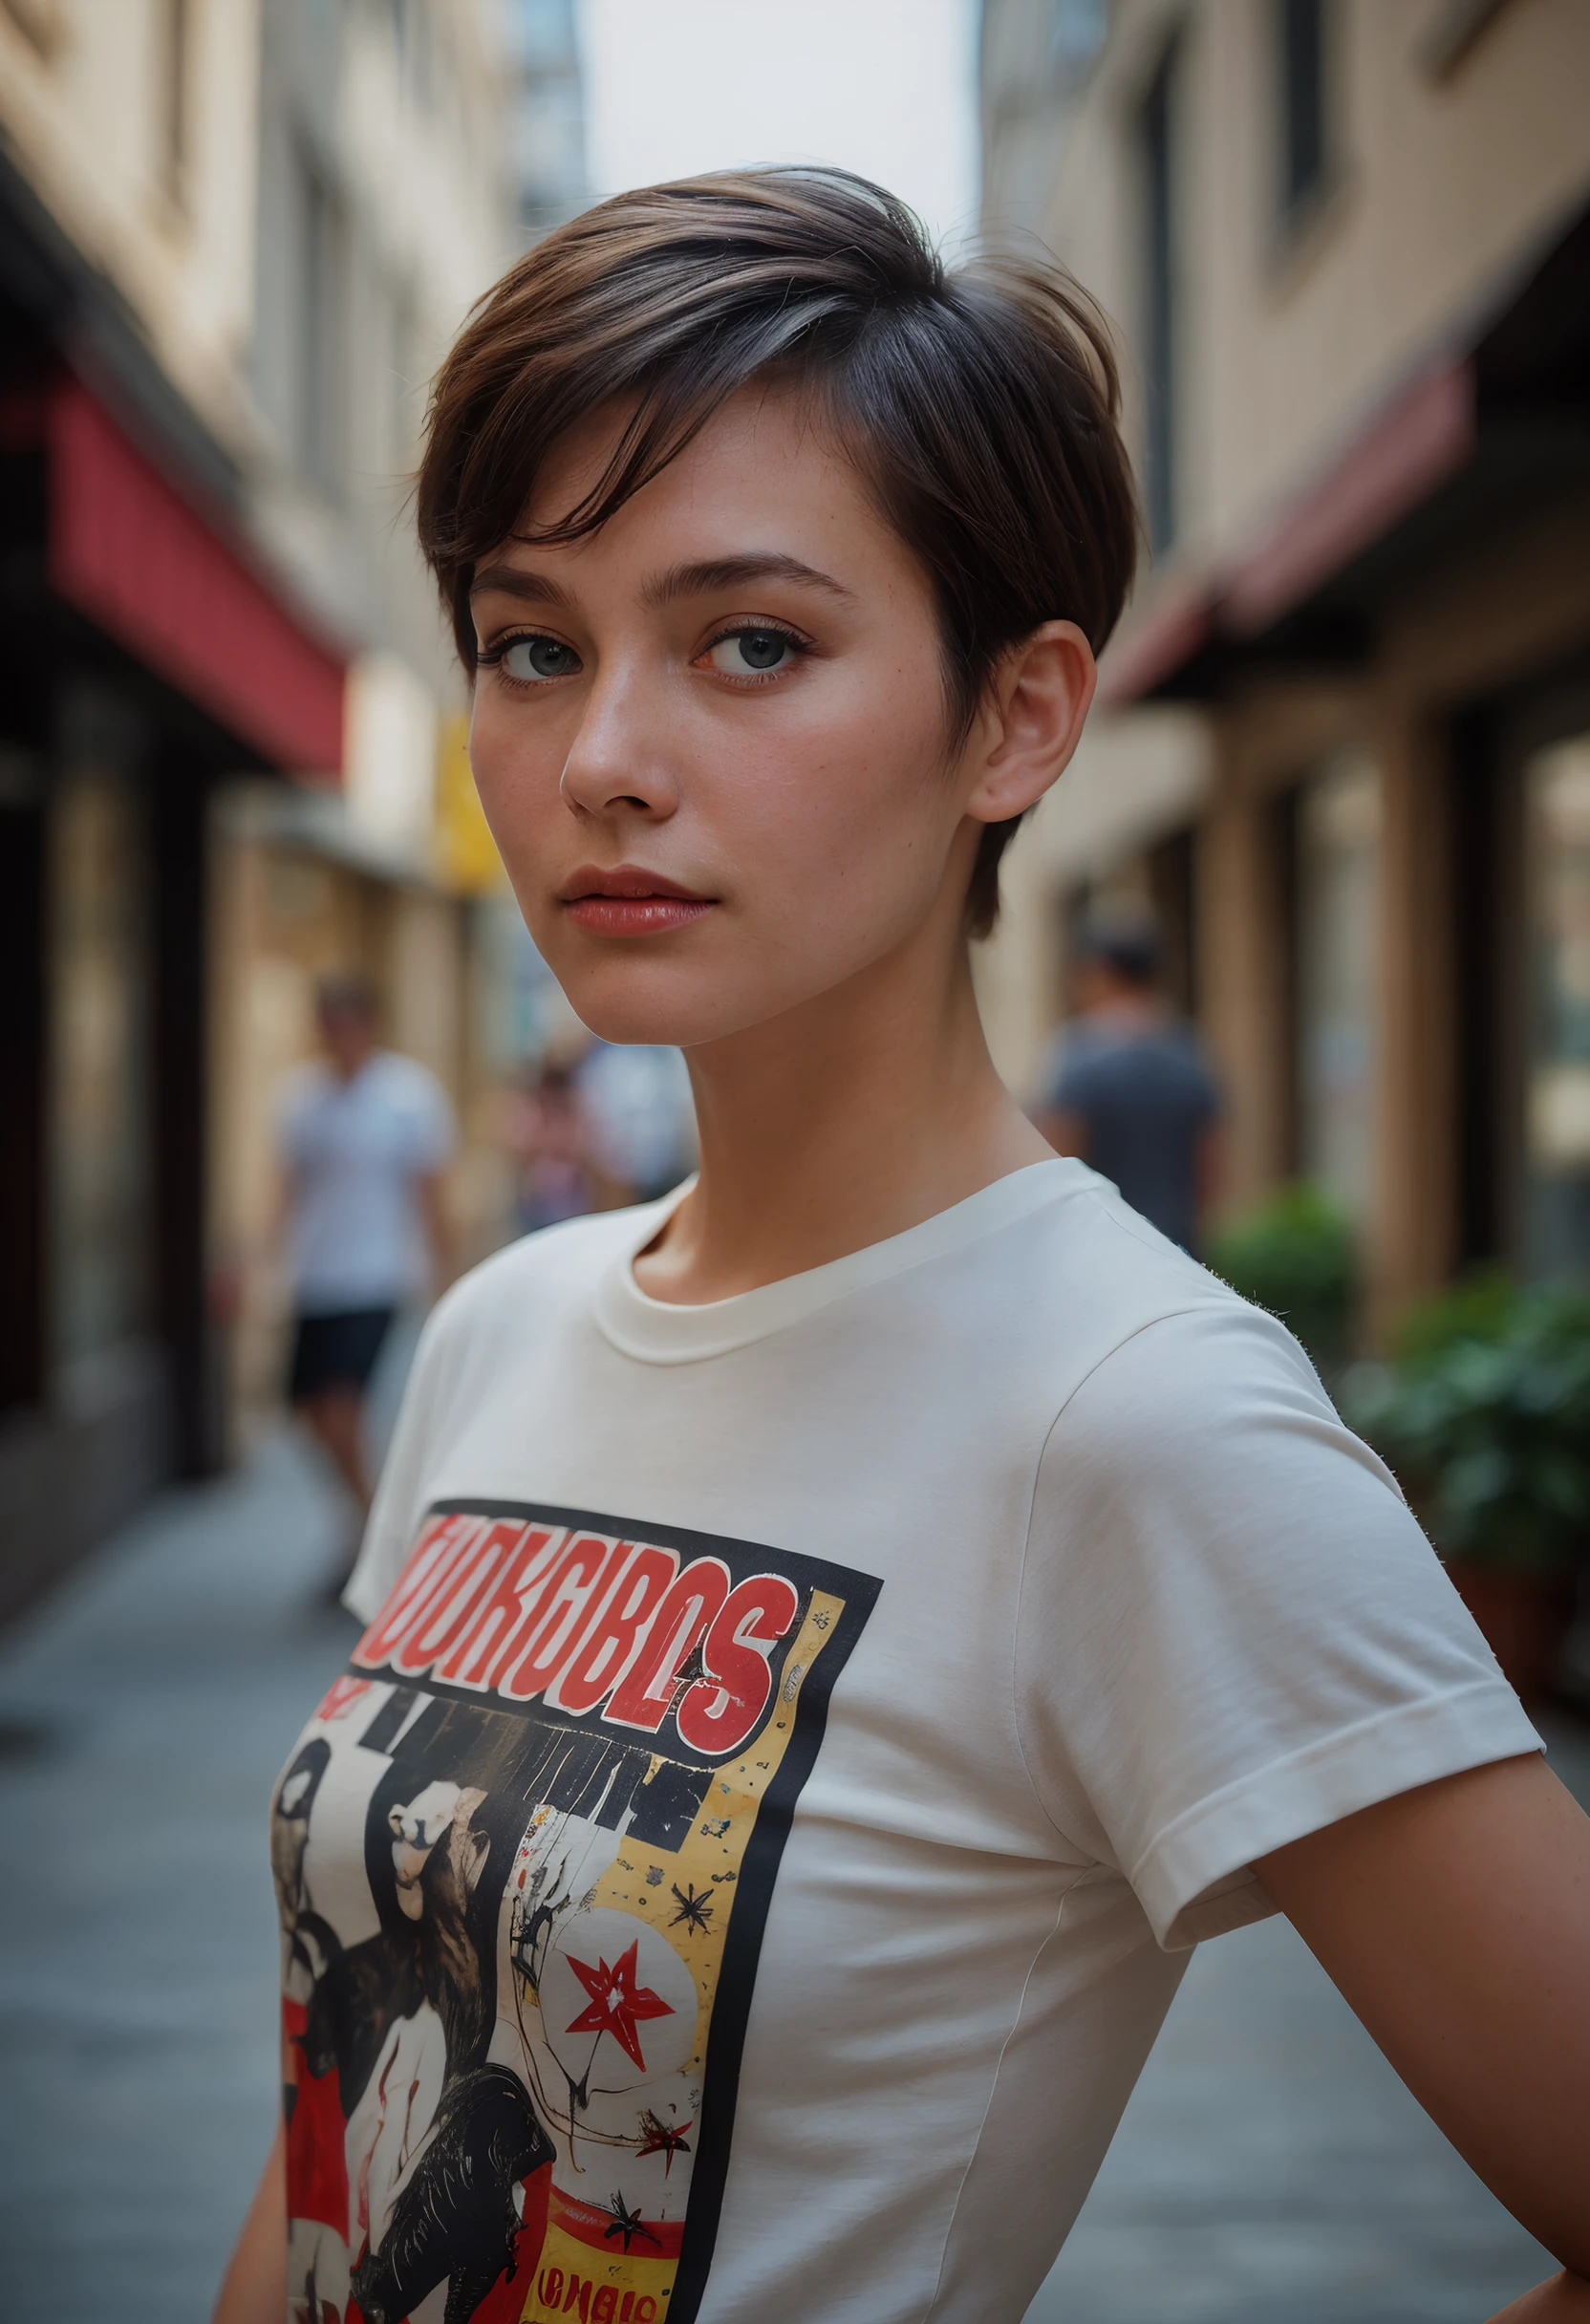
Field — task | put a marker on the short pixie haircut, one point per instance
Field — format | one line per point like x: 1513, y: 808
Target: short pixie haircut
x: 979, y: 406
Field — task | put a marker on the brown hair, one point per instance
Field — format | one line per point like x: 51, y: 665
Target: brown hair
x: 979, y: 406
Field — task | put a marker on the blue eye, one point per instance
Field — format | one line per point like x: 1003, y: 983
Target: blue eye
x: 528, y: 659
x: 752, y: 652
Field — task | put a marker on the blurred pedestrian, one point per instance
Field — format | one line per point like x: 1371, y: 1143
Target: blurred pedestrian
x: 364, y: 1136
x: 550, y: 1135
x: 1128, y: 1089
x: 637, y: 1095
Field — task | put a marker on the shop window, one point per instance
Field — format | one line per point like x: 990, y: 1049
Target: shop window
x: 40, y: 20
x: 1159, y: 263
x: 1336, y: 871
x: 22, y: 1082
x: 320, y: 322
x: 173, y: 92
x: 1556, y: 1108
x: 1301, y: 62
x: 99, y: 1175
x: 1172, y: 892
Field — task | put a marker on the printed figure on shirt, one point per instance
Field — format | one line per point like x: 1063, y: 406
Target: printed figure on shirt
x: 523, y: 1856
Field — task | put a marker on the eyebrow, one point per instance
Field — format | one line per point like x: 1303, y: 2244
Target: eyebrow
x: 698, y: 580
x: 512, y: 581
x: 714, y: 574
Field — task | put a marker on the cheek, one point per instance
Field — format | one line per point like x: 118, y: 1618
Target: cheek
x: 516, y: 762
x: 857, y: 800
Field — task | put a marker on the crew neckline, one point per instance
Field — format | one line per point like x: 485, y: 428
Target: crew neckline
x: 657, y: 1331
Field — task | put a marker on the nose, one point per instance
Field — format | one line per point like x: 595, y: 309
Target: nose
x: 619, y: 760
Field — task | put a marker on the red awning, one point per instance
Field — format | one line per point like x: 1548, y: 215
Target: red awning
x: 129, y: 551
x: 1418, y: 439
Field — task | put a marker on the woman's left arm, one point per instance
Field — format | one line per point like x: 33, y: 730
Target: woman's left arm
x: 1455, y: 1920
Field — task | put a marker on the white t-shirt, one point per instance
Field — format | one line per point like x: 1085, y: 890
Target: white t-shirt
x: 838, y: 1710
x: 357, y: 1150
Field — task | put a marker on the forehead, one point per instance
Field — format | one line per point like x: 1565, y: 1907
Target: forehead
x: 765, y: 475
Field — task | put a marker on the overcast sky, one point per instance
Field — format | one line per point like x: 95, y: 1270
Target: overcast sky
x: 886, y: 87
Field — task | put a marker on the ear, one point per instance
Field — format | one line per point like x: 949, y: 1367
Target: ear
x: 1041, y: 696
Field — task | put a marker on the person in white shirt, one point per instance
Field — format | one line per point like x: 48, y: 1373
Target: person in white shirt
x: 364, y: 1137
x: 884, y: 1602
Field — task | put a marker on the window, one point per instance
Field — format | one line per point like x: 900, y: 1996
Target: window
x: 1159, y: 303
x: 174, y: 97
x: 1337, y: 874
x: 1557, y: 1110
x: 40, y: 20
x: 320, y: 329
x: 1301, y: 62
x: 1078, y: 29
x: 101, y: 1128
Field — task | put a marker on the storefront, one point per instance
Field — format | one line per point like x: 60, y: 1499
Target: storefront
x: 1391, y: 866
x: 145, y: 659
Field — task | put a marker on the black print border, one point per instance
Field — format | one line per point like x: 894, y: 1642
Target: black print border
x: 753, y: 1894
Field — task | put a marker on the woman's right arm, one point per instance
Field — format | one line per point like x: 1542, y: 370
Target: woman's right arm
x: 254, y: 2287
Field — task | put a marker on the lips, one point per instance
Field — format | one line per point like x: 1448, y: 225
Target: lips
x: 630, y: 901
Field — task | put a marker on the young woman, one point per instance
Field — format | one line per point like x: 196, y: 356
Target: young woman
x: 858, y: 1623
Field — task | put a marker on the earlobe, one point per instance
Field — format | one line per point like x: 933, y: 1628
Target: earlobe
x: 1044, y: 693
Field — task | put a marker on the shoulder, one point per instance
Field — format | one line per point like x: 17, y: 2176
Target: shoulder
x: 1194, y: 1403
x: 404, y: 1081
x: 301, y: 1088
x: 527, y: 1281
x: 1126, y: 1328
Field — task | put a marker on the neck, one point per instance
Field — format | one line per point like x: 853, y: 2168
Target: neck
x: 859, y: 1115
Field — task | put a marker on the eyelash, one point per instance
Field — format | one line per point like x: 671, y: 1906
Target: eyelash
x: 489, y: 658
x: 772, y: 629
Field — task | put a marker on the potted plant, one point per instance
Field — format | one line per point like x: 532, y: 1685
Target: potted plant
x: 1485, y: 1415
x: 1294, y: 1255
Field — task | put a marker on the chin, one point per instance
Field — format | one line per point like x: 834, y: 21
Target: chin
x: 631, y: 1004
x: 673, y: 1005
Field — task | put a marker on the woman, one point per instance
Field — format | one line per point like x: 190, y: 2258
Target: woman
x: 931, y: 1602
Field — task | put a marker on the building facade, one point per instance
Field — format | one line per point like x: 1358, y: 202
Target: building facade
x: 1344, y: 744
x: 235, y: 238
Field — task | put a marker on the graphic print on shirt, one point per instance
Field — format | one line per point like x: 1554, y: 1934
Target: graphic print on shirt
x: 523, y: 1856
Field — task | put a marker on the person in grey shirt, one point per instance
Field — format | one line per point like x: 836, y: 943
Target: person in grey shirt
x: 1128, y: 1089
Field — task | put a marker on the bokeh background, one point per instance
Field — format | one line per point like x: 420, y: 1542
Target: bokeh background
x: 1341, y: 761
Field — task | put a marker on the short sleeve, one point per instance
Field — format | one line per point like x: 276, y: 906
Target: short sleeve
x: 1232, y: 1632
x: 399, y: 1502
x: 294, y: 1110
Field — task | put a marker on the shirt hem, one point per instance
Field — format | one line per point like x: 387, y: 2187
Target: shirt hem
x: 1377, y: 1758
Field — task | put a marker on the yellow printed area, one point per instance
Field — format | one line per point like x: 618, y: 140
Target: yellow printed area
x: 690, y: 1896
x: 571, y: 2279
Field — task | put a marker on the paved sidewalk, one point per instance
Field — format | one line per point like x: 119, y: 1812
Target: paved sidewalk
x: 1270, y: 2163
x: 144, y: 1716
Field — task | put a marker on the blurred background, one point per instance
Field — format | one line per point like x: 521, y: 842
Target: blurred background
x: 1337, y: 795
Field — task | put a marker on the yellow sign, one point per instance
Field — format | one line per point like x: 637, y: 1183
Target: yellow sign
x: 466, y: 853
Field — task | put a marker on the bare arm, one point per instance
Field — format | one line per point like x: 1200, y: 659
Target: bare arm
x: 284, y: 1203
x: 439, y: 1227
x: 1455, y: 1921
x: 254, y: 2287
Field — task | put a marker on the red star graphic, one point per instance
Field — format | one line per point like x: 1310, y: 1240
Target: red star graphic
x: 664, y: 2139
x: 617, y: 2002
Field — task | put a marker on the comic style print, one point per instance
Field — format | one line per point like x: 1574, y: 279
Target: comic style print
x: 523, y: 1855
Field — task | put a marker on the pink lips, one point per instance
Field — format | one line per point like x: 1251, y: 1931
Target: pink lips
x: 629, y: 901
